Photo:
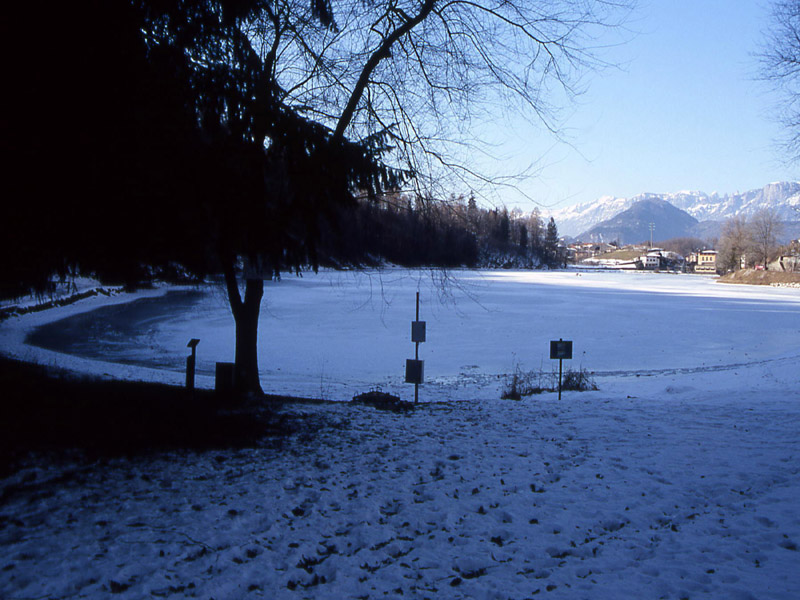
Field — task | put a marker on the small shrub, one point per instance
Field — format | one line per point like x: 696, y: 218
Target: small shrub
x: 579, y: 381
x: 511, y: 391
x: 528, y: 383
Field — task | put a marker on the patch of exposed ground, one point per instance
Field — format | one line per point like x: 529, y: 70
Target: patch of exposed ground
x: 754, y: 277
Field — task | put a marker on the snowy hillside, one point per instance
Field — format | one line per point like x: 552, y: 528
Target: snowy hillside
x: 781, y: 197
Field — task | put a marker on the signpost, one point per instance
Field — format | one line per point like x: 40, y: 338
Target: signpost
x: 190, y: 363
x: 415, y: 368
x: 561, y: 350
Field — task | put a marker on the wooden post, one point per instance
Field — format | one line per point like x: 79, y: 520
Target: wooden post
x: 191, y: 361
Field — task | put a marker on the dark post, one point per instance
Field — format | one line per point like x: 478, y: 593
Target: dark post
x: 416, y: 356
x: 560, y: 350
x: 415, y: 368
x: 190, y: 363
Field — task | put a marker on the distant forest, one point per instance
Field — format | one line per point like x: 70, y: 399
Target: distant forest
x: 413, y: 231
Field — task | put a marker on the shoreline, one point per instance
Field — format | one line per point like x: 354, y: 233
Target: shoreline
x: 18, y: 327
x: 304, y: 377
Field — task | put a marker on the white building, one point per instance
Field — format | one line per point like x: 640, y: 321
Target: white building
x: 651, y: 261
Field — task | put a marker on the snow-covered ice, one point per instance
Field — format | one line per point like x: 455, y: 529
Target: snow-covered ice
x: 679, y: 478
x: 337, y: 334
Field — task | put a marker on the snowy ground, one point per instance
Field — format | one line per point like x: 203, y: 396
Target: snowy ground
x: 681, y: 482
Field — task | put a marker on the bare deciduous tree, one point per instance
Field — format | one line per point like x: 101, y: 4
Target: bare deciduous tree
x: 765, y: 228
x: 780, y: 62
x: 735, y: 241
x: 426, y: 74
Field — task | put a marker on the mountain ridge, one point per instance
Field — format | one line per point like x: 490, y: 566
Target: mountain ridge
x: 778, y: 196
x: 634, y: 224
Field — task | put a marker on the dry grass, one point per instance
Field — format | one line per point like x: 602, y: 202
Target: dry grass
x: 623, y: 254
x: 753, y: 277
x: 523, y: 383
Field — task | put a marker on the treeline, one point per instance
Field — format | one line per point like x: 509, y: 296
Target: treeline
x: 683, y: 245
x: 746, y: 242
x: 415, y: 231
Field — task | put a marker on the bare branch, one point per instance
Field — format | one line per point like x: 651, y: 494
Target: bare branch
x: 383, y: 51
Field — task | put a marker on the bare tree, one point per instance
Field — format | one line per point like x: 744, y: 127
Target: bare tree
x: 780, y: 62
x: 424, y: 74
x: 765, y: 226
x: 735, y: 241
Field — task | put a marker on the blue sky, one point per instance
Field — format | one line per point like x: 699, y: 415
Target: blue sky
x: 682, y: 110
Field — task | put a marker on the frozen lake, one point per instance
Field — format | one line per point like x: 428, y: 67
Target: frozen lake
x: 335, y: 334
x: 677, y: 479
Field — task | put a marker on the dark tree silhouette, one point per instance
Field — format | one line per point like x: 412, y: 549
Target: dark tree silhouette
x: 170, y: 147
x: 551, y: 251
x: 234, y: 136
x: 523, y: 237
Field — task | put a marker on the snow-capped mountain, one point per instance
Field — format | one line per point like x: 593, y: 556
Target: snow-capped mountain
x: 780, y: 197
x: 573, y: 220
x: 633, y: 225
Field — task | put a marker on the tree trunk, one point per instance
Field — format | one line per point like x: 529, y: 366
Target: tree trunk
x: 246, y: 370
x: 245, y: 314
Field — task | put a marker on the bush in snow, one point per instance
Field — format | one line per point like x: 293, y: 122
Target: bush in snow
x: 523, y: 383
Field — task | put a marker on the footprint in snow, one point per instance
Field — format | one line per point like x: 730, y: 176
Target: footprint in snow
x: 765, y: 522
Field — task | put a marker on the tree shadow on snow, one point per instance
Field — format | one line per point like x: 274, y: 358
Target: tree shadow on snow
x: 56, y: 413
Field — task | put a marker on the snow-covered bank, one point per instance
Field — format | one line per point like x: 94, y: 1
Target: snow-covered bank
x: 595, y: 497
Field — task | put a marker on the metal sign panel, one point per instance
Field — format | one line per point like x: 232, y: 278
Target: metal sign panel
x: 418, y: 331
x: 415, y: 371
x: 561, y: 349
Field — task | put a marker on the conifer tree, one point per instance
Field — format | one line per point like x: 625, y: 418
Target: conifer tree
x: 551, y: 243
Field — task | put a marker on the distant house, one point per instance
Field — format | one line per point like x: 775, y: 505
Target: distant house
x: 651, y: 260
x: 704, y: 261
x: 789, y: 263
x: 581, y: 251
